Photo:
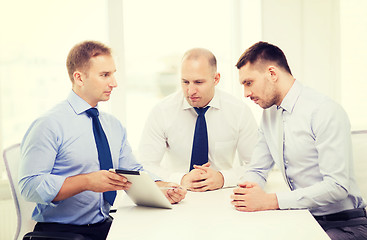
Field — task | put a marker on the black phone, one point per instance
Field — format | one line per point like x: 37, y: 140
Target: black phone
x: 129, y: 172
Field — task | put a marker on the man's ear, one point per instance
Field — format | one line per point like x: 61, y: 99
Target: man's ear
x: 78, y: 78
x: 216, y: 78
x: 274, y: 73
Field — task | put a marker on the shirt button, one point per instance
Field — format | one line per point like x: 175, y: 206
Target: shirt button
x: 291, y: 180
x: 286, y: 162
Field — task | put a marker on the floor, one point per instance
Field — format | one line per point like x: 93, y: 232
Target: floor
x: 8, y: 218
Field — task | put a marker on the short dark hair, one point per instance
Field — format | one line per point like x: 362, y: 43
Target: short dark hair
x: 79, y: 56
x: 263, y: 51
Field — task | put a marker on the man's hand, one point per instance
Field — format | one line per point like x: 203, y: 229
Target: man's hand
x: 100, y: 181
x: 202, y: 178
x: 104, y: 181
x: 249, y: 197
x: 173, y: 192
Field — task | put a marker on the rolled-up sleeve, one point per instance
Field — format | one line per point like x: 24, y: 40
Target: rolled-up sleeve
x: 38, y: 152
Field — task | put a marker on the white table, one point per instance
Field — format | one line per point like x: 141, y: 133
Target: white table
x: 209, y: 215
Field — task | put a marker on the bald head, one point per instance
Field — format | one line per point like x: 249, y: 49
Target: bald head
x: 201, y: 53
x: 199, y: 76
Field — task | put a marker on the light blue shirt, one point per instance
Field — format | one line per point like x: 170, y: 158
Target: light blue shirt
x: 61, y: 144
x: 309, y: 140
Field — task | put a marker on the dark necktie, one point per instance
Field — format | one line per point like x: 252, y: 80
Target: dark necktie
x: 104, y: 154
x: 199, y: 154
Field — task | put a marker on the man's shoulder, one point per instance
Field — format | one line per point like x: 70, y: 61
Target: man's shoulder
x: 170, y: 103
x: 313, y: 100
x: 313, y: 95
x: 57, y: 113
x: 52, y: 120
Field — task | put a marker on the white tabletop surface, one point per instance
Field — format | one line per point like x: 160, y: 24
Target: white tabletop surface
x: 209, y: 215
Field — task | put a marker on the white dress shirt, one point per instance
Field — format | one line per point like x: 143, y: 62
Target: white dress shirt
x: 166, y: 143
x: 308, y: 137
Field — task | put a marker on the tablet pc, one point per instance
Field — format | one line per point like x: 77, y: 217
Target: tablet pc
x: 143, y: 190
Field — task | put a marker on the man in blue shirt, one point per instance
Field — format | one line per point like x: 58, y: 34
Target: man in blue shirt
x: 60, y: 169
x: 307, y: 135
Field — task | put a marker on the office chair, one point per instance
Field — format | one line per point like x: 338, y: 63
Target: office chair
x: 359, y: 142
x: 25, y: 224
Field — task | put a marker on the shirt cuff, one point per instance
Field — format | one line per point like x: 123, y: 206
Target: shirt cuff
x: 253, y: 177
x: 230, y: 179
x: 287, y: 200
x: 50, y: 187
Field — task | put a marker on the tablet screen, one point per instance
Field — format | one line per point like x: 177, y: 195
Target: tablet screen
x: 143, y: 190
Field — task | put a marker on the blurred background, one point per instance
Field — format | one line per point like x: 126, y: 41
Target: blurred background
x: 324, y: 41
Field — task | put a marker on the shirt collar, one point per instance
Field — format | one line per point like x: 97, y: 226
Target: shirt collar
x: 78, y: 104
x: 214, y: 103
x: 291, y: 98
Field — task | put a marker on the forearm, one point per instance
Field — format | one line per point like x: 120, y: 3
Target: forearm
x: 258, y: 170
x: 40, y: 188
x: 72, y: 186
x: 253, y: 175
x: 317, y: 195
x: 261, y: 162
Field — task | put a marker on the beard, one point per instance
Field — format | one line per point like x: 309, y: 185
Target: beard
x: 272, y: 98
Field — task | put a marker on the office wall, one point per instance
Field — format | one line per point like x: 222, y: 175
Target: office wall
x: 116, y: 37
x: 309, y: 34
x: 353, y: 21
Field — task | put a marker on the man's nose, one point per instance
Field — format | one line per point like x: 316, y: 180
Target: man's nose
x: 113, y: 82
x: 248, y: 93
x: 191, y: 89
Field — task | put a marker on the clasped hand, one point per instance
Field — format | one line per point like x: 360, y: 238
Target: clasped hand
x: 202, y: 178
x: 250, y: 197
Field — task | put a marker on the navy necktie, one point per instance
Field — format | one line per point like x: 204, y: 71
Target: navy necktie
x: 104, y: 154
x: 199, y: 154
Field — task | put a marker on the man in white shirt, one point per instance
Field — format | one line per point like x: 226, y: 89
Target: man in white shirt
x: 307, y: 135
x: 167, y: 141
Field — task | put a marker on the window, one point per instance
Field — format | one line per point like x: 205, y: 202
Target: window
x: 353, y: 23
x: 34, y: 46
x: 158, y: 33
x: 33, y: 76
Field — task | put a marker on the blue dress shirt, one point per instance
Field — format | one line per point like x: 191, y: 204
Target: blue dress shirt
x: 308, y: 137
x: 61, y: 144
